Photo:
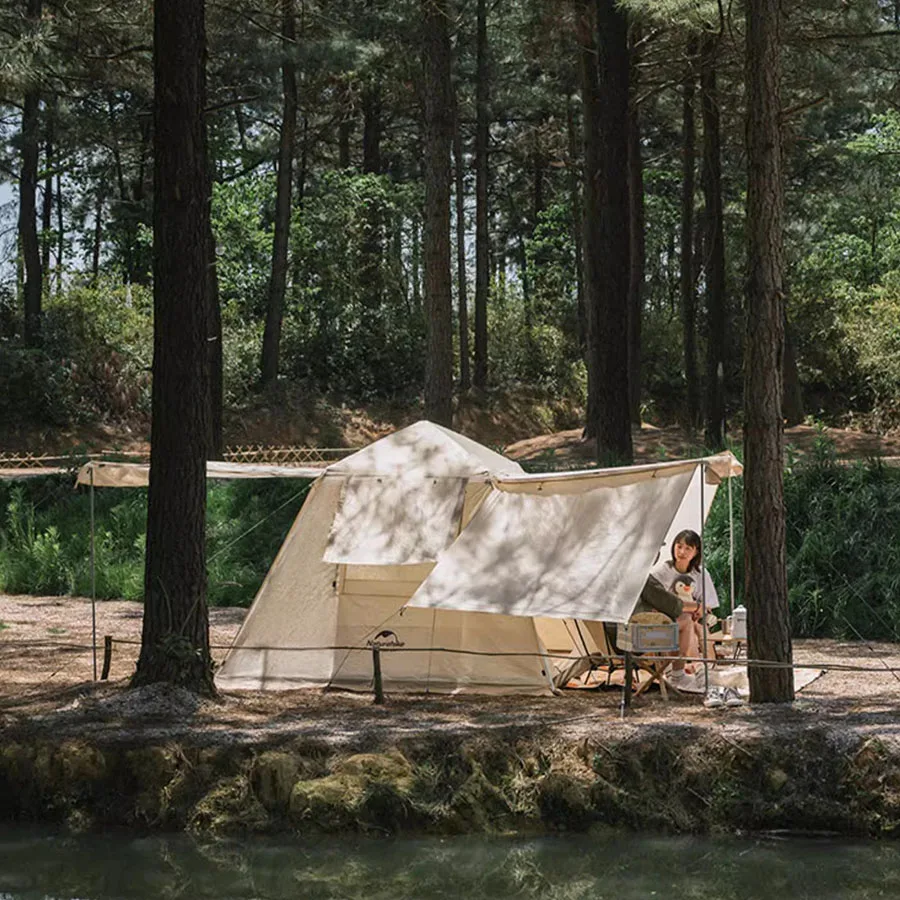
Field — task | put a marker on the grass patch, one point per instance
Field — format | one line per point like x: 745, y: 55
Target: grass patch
x: 45, y: 537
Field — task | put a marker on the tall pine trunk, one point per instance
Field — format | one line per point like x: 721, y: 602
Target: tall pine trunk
x: 613, y: 420
x: 438, y: 121
x: 482, y: 236
x: 281, y: 237
x: 686, y: 273
x: 713, y: 249
x: 175, y: 640
x: 765, y: 570
x: 636, y: 258
x: 27, y: 225
x: 462, y: 300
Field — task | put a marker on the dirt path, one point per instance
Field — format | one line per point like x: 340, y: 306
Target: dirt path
x: 46, y: 668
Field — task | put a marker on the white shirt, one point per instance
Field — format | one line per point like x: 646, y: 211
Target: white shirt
x: 666, y: 573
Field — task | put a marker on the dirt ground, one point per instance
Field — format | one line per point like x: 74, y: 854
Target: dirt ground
x: 46, y: 684
x: 652, y: 444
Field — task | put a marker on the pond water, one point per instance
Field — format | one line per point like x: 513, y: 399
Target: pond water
x: 610, y: 865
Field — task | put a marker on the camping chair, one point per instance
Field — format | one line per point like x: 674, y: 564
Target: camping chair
x: 654, y: 663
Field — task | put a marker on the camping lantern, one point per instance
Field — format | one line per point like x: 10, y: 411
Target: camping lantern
x: 738, y: 620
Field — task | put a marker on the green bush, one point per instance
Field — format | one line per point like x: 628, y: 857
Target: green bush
x: 45, y: 538
x: 843, y: 546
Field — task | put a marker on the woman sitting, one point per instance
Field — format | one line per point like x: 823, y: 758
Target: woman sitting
x: 686, y: 563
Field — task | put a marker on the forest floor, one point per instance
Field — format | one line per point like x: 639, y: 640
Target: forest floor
x: 46, y: 683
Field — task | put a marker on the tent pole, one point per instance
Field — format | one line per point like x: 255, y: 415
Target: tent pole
x: 730, y: 545
x: 703, y: 574
x: 93, y: 584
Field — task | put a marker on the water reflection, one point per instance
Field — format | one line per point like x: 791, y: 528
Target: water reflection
x: 36, y: 865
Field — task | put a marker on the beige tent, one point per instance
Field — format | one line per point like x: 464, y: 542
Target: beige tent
x: 474, y: 567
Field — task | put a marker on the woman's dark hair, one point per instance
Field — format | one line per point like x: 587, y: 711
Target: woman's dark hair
x: 692, y: 539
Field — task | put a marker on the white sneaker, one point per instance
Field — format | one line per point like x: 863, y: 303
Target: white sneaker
x: 715, y: 698
x: 732, y: 698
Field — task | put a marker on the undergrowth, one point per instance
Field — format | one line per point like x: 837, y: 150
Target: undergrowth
x: 843, y: 545
x: 45, y: 537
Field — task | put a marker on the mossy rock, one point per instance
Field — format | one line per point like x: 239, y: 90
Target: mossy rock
x: 272, y: 776
x: 565, y: 802
x: 156, y: 771
x: 327, y: 804
x: 230, y: 808
x: 392, y: 766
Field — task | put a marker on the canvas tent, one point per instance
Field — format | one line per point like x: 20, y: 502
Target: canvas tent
x: 476, y: 568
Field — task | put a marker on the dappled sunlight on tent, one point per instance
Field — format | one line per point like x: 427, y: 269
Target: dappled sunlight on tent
x: 575, y: 556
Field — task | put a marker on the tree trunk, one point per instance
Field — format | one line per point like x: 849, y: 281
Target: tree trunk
x: 281, y: 237
x: 613, y: 420
x: 482, y: 237
x: 47, y: 204
x: 575, y: 181
x: 686, y: 280
x: 372, y: 249
x: 98, y: 238
x: 28, y: 233
x: 590, y: 224
x: 636, y: 258
x: 60, y: 235
x: 175, y: 641
x: 438, y: 121
x: 713, y: 249
x: 765, y: 569
x: 459, y: 163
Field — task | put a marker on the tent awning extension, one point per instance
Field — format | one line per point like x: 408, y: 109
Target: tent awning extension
x: 118, y: 474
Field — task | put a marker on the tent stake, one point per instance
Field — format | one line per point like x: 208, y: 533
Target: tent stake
x: 93, y: 584
x: 376, y: 669
x: 626, y: 697
x: 107, y: 656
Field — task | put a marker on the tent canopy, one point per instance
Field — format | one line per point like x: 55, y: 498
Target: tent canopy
x: 120, y: 474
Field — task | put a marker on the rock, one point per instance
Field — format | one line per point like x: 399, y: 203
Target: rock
x: 272, y: 776
x: 327, y: 804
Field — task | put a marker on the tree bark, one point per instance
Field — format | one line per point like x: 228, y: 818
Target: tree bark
x: 686, y: 279
x: 372, y: 249
x: 47, y: 204
x: 98, y: 238
x: 636, y: 257
x: 764, y: 514
x: 27, y: 225
x: 175, y: 640
x: 613, y: 420
x: 281, y: 237
x: 482, y: 236
x: 575, y: 181
x: 438, y: 136
x: 713, y: 248
x: 462, y: 301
